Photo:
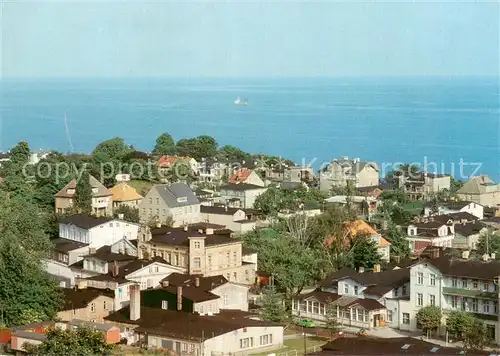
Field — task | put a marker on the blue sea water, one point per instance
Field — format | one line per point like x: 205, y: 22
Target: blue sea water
x: 423, y: 120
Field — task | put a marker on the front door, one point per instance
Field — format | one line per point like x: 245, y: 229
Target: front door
x: 376, y: 320
x: 177, y: 348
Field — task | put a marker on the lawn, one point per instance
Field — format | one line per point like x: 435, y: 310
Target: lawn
x: 295, y: 347
x: 141, y: 186
x: 414, y: 206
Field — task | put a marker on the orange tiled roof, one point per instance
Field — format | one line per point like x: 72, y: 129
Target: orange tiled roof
x: 357, y: 228
x: 240, y: 176
x: 166, y: 161
x: 124, y: 192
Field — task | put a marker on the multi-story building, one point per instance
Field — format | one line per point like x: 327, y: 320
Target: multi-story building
x: 102, y: 198
x: 176, y: 201
x: 125, y: 195
x: 430, y: 233
x: 423, y: 186
x: 212, y: 171
x: 339, y: 172
x: 88, y: 304
x: 202, y: 252
x: 237, y: 220
x: 241, y: 195
x: 481, y: 190
x: 451, y: 207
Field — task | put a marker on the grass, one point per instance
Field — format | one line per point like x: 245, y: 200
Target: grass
x: 141, y: 186
x: 414, y: 206
x: 295, y: 346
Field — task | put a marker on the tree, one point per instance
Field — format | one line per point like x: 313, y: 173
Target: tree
x: 477, y: 336
x: 20, y: 153
x: 198, y: 147
x: 399, y: 244
x: 165, y: 145
x: 180, y: 171
x: 273, y: 309
x: 459, y: 323
x: 81, y: 342
x: 230, y: 153
x: 429, y: 318
x: 488, y: 243
x: 455, y: 185
x: 364, y: 252
x: 27, y: 292
x: 83, y: 195
x: 331, y: 321
x: 129, y: 213
x: 113, y: 149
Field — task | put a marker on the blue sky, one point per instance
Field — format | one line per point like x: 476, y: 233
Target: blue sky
x: 256, y: 39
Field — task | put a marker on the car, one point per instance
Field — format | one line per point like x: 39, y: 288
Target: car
x: 306, y: 323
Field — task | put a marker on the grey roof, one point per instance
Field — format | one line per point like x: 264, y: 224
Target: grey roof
x: 85, y: 221
x: 356, y: 166
x: 102, y: 191
x: 98, y: 326
x: 241, y: 187
x: 30, y: 335
x: 290, y: 185
x: 65, y: 245
x: 171, y: 193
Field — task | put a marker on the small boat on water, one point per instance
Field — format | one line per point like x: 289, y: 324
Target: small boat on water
x: 238, y: 101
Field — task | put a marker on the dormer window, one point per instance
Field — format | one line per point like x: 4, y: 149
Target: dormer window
x: 182, y: 200
x: 94, y: 190
x: 70, y: 191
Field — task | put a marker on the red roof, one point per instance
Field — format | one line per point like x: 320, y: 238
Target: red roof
x: 166, y: 161
x: 240, y: 176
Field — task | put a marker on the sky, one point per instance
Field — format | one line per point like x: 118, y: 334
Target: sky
x: 249, y: 39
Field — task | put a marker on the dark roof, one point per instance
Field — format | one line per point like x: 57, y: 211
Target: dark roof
x: 204, y: 225
x: 104, y: 254
x: 438, y: 221
x: 450, y: 266
x: 178, y: 236
x: 463, y: 215
x: 171, y: 193
x: 87, y: 324
x: 123, y: 271
x: 80, y: 298
x: 456, y: 205
x: 469, y: 229
x: 218, y: 210
x: 367, y: 303
x: 184, y: 325
x: 290, y: 185
x: 240, y: 187
x: 337, y: 275
x: 368, y: 189
x: 323, y: 297
x: 190, y: 292
x: 65, y: 245
x: 388, y: 346
x: 186, y: 280
x: 85, y: 221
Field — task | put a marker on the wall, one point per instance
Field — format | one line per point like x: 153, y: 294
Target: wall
x: 186, y: 215
x: 232, y: 296
x: 18, y: 342
x: 367, y: 177
x: 63, y: 204
x: 103, y: 206
x: 208, y: 307
x: 254, y: 179
x: 104, y: 234
x: 150, y: 276
x: 103, y: 305
x: 63, y: 270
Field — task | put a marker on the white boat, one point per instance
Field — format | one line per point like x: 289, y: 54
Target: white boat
x: 238, y: 101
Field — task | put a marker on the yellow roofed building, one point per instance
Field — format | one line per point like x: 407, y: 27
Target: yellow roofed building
x: 124, y: 194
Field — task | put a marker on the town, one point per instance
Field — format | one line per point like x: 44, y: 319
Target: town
x: 197, y: 249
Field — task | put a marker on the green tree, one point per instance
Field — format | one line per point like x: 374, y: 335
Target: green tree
x: 488, y: 243
x: 230, y: 153
x: 83, y: 195
x: 198, y: 147
x: 113, y: 149
x: 476, y: 337
x: 129, y: 213
x: 27, y: 292
x: 399, y: 244
x: 20, y: 153
x: 364, y: 252
x: 273, y: 308
x: 165, y: 145
x: 429, y: 318
x: 331, y: 321
x: 455, y: 185
x: 459, y: 323
x: 180, y: 171
x: 79, y: 342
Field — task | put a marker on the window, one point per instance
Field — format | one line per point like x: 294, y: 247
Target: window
x: 454, y: 282
x: 346, y: 288
x: 486, y: 286
x: 315, y: 307
x: 420, y: 299
x: 228, y: 258
x: 356, y: 290
x: 225, y: 299
x: 360, y: 313
x: 92, y: 307
x: 157, y: 201
x: 266, y: 340
x: 406, y: 318
x: 474, y: 305
x: 184, y: 347
x: 246, y: 343
x: 235, y: 276
x: 209, y: 260
x: 432, y: 299
x: 464, y: 304
x: 495, y: 307
x: 404, y: 290
x: 104, y: 305
x: 454, y: 301
x: 197, y: 244
x: 420, y: 278
x: 464, y: 283
x: 110, y: 224
x: 366, y: 316
x: 396, y: 292
x: 176, y: 259
x: 234, y: 256
x: 157, y: 269
x: 433, y: 279
x: 169, y: 257
x: 197, y: 263
x: 164, y: 304
x: 389, y: 316
x: 475, y: 284
x: 486, y: 306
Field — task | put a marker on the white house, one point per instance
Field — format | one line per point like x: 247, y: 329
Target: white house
x: 241, y: 195
x: 467, y: 235
x: 456, y: 207
x: 234, y: 219
x: 433, y: 233
x: 248, y: 176
x: 340, y: 171
x: 96, y: 231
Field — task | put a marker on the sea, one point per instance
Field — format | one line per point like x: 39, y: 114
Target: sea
x: 446, y: 125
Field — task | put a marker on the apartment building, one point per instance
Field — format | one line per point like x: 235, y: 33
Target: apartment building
x: 206, y: 252
x: 481, y: 190
x: 341, y: 171
x: 424, y: 185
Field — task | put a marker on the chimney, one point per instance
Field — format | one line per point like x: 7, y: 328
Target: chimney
x: 465, y: 255
x: 166, y: 283
x: 209, y: 231
x: 179, y: 298
x: 185, y: 228
x: 121, y: 216
x: 158, y: 224
x: 92, y: 251
x: 135, y: 302
x: 486, y: 257
x: 197, y: 281
x: 116, y: 269
x: 376, y: 268
x: 225, y: 207
x: 361, y: 269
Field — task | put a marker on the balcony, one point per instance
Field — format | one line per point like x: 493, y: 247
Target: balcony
x: 472, y: 293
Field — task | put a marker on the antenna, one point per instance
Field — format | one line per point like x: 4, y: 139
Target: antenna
x: 67, y: 132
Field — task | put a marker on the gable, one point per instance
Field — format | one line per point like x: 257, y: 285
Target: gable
x: 162, y: 269
x: 124, y: 246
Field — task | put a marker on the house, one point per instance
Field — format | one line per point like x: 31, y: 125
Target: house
x: 364, y: 346
x: 186, y: 332
x: 339, y: 172
x: 234, y: 219
x: 202, y: 252
x: 372, y: 192
x: 246, y: 175
x: 481, y: 190
x: 88, y: 304
x: 241, y: 195
x: 102, y: 198
x: 176, y: 201
x: 212, y: 171
x: 359, y: 298
x: 299, y: 174
x: 365, y: 204
x: 96, y: 231
x: 467, y: 235
x: 36, y: 157
x: 357, y: 228
x: 455, y: 207
x: 230, y: 295
x: 166, y: 162
x: 424, y: 185
x: 430, y: 233
x: 125, y: 195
